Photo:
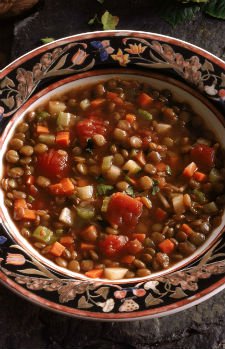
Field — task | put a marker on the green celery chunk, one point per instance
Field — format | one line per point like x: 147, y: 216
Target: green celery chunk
x: 63, y: 120
x: 86, y: 212
x: 43, y: 234
x: 103, y: 189
x: 145, y: 114
x: 200, y: 196
x: 105, y: 203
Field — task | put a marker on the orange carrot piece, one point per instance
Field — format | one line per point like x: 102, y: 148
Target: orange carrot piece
x: 63, y: 138
x: 56, y: 189
x: 30, y: 180
x: 82, y: 182
x: 140, y: 157
x: 29, y: 214
x: 144, y: 100
x: 115, y: 98
x: 57, y: 249
x: 67, y: 186
x: 128, y: 259
x: 94, y: 273
x: 66, y: 240
x: 161, y: 167
x: 190, y: 170
x: 160, y: 214
x: 139, y: 236
x: 86, y: 246
x: 166, y: 246
x: 186, y: 228
x: 20, y: 203
x: 97, y: 102
x: 199, y: 176
x: 130, y: 118
x: 42, y: 129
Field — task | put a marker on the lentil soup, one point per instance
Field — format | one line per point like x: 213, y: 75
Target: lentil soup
x: 114, y: 180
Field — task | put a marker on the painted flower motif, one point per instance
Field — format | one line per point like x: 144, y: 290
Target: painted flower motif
x: 122, y: 58
x: 3, y: 239
x: 79, y: 57
x: 210, y: 89
x: 139, y: 292
x: 104, y: 48
x: 120, y: 294
x: 135, y: 49
x: 15, y: 259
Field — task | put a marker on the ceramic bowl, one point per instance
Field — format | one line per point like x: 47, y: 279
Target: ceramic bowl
x: 194, y: 76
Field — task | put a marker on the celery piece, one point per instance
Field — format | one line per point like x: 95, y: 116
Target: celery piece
x: 63, y: 120
x: 86, y: 212
x: 131, y: 167
x: 200, y: 196
x: 145, y: 114
x: 105, y: 203
x: 210, y: 207
x: 43, y: 234
x: 103, y: 189
x: 215, y: 176
x: 48, y: 139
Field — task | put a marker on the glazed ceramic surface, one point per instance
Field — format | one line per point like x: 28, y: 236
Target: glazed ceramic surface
x: 194, y: 76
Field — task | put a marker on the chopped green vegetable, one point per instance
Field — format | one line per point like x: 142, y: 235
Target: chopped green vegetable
x: 145, y: 114
x: 86, y: 212
x: 168, y: 170
x: 53, y: 239
x: 48, y: 139
x: 130, y: 191
x: 42, y: 234
x: 47, y: 40
x: 109, y: 22
x: 42, y: 115
x: 131, y: 167
x: 30, y: 199
x: 105, y: 203
x: 59, y: 232
x: 63, y: 120
x: 210, y: 207
x: 200, y: 196
x: 103, y: 189
x: 155, y: 187
x: 215, y: 176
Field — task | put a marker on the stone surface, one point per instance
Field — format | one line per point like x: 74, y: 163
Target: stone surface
x: 24, y: 325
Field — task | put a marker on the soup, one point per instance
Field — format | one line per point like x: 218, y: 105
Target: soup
x: 114, y: 180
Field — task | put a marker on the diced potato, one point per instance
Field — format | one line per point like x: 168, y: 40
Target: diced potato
x: 113, y: 173
x: 178, y: 203
x: 162, y: 128
x: 67, y: 216
x: 132, y: 167
x: 115, y: 273
x: 86, y: 192
x: 55, y: 107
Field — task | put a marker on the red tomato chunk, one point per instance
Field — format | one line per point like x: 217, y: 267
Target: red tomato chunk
x: 113, y: 245
x: 204, y: 156
x: 87, y: 128
x: 53, y: 163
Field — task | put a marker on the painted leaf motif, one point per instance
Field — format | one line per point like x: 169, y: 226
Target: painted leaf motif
x: 150, y: 300
x: 179, y: 293
x: 83, y: 303
x: 9, y: 102
x: 128, y: 306
x: 103, y: 291
x: 7, y: 82
x: 151, y: 285
x: 207, y: 66
x: 109, y: 22
x: 31, y: 271
x: 210, y: 90
x: 109, y: 305
x: 60, y: 63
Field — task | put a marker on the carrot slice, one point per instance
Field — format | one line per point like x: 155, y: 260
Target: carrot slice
x: 160, y: 214
x: 67, y: 186
x: 144, y: 100
x: 63, y: 138
x: 128, y: 259
x: 94, y: 273
x: 66, y: 240
x: 186, y: 228
x: 42, y: 129
x: 56, y: 189
x: 29, y: 214
x: 115, y: 98
x: 166, y: 246
x: 199, y: 176
x: 140, y: 237
x: 130, y: 118
x: 97, y: 102
x: 20, y: 203
x: 57, y: 249
x: 85, y: 246
x: 190, y: 170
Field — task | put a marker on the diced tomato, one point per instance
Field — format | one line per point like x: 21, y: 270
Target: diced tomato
x: 204, y: 156
x: 53, y: 163
x: 113, y: 245
x: 144, y: 100
x: 124, y: 211
x: 87, y: 128
x: 160, y: 214
x: 134, y: 246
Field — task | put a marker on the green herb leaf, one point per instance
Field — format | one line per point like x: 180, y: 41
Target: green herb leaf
x: 155, y: 187
x: 103, y: 189
x: 130, y: 191
x: 109, y: 21
x: 145, y: 114
x: 93, y: 20
x: 215, y: 8
x: 30, y: 199
x: 47, y: 40
x: 175, y: 13
x: 168, y: 170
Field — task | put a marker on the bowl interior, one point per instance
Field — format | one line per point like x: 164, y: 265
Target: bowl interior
x: 181, y: 93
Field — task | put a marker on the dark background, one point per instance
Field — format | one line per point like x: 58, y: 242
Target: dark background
x: 24, y: 325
